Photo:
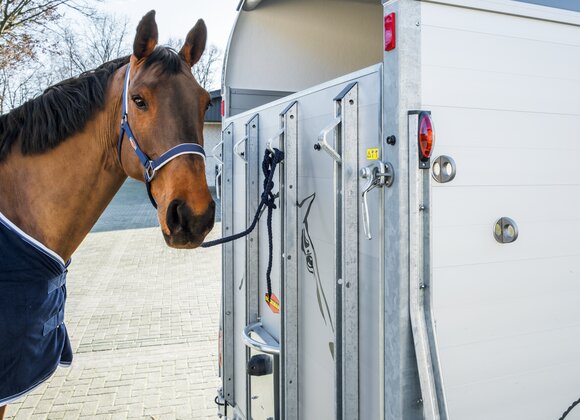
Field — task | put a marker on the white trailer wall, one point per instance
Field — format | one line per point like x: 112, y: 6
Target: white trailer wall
x: 269, y: 51
x: 504, y: 93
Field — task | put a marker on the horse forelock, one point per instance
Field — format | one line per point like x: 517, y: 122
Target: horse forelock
x: 62, y: 110
x: 166, y: 60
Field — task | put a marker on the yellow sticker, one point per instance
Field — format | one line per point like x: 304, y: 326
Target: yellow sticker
x: 373, y: 154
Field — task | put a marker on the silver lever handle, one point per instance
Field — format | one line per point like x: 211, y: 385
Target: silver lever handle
x: 378, y: 174
x: 237, y: 152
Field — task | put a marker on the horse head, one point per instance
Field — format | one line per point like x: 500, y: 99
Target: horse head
x: 165, y: 107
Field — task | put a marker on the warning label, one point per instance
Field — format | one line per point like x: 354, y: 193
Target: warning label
x: 273, y: 303
x: 373, y: 154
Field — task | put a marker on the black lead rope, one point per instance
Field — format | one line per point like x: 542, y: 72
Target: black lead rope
x: 574, y: 404
x: 271, y: 160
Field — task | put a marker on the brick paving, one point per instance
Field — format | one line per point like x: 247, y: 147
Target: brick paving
x: 143, y: 321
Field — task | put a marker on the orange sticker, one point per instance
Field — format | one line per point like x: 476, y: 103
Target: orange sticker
x: 273, y: 303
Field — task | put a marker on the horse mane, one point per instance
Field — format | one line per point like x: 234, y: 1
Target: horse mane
x: 63, y: 109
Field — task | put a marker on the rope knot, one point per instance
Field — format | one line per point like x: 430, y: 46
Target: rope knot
x: 268, y: 200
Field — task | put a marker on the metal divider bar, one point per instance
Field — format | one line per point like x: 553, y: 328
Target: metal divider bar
x: 349, y: 258
x: 252, y: 157
x: 289, y: 286
x: 419, y: 281
x: 227, y: 265
x: 252, y: 201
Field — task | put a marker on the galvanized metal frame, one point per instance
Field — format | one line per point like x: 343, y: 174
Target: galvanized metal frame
x: 337, y: 178
x: 251, y: 155
x: 402, y: 92
x: 252, y: 202
x: 348, y: 280
x: 289, y: 281
x: 228, y: 265
x: 420, y: 296
x: 346, y: 202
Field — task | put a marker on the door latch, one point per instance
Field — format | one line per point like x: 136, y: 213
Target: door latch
x: 378, y: 174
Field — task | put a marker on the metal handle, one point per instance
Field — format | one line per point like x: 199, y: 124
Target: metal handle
x: 214, y: 152
x: 218, y: 175
x: 379, y: 174
x: 237, y: 152
x: 256, y: 345
x: 274, y: 137
x: 323, y: 140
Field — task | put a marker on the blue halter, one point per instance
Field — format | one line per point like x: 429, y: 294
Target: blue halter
x: 151, y: 165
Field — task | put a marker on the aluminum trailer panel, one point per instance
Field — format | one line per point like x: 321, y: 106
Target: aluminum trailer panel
x: 323, y: 249
x: 406, y: 288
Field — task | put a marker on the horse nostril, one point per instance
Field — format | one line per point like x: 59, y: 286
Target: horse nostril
x: 181, y: 220
x: 178, y: 215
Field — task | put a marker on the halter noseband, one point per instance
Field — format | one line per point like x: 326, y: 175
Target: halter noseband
x: 151, y: 166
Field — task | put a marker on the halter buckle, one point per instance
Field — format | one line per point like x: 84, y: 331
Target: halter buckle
x: 149, y: 171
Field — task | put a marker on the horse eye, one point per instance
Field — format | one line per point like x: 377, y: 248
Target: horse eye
x: 141, y: 104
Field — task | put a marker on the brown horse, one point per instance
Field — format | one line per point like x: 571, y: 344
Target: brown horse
x: 63, y: 158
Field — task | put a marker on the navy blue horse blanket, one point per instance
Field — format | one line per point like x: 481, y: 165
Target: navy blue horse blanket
x: 33, y: 338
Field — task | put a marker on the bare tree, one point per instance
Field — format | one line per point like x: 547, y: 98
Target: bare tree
x: 23, y: 24
x: 206, y: 68
x: 78, y: 44
x: 94, y: 41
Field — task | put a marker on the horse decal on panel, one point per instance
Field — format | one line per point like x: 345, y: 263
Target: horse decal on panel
x: 309, y: 251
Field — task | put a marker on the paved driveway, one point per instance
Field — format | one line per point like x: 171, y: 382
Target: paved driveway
x: 143, y: 321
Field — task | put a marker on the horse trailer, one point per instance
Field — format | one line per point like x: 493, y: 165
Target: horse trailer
x: 425, y: 252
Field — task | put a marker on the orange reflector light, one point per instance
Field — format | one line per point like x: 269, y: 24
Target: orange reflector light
x: 390, y: 35
x: 425, y: 136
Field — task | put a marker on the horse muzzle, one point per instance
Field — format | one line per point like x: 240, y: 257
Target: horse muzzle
x: 186, y: 229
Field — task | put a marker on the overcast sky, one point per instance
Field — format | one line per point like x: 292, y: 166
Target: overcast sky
x: 176, y: 17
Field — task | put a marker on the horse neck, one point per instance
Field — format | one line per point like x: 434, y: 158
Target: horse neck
x: 56, y: 197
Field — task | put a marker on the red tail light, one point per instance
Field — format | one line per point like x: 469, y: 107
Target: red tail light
x: 390, y: 34
x: 426, y: 136
x: 223, y: 107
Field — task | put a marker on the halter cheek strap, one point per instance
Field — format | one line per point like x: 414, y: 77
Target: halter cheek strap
x: 151, y: 166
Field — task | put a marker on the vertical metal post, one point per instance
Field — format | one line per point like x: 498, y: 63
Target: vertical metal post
x: 228, y: 266
x: 252, y: 251
x: 348, y: 106
x: 401, y: 92
x: 252, y: 201
x: 420, y: 296
x: 289, y: 286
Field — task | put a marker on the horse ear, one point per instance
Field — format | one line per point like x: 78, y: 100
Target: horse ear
x: 146, y: 37
x: 194, y: 43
